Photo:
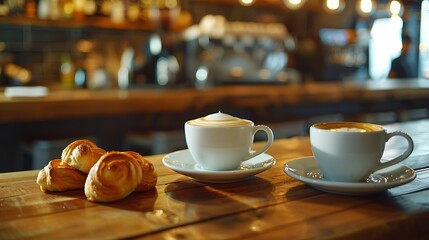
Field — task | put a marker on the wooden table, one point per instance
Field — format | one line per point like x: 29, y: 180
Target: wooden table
x: 270, y: 205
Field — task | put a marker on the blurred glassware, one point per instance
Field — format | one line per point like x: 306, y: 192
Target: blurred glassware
x: 167, y: 68
x: 125, y: 69
x: 67, y: 71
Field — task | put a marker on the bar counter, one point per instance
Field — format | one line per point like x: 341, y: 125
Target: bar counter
x: 111, y: 116
x: 66, y: 104
x: 270, y: 205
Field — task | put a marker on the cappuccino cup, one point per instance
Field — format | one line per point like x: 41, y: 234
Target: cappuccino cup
x: 351, y: 151
x: 220, y: 142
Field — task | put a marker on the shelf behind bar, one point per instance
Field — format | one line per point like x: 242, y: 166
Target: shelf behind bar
x: 88, y: 22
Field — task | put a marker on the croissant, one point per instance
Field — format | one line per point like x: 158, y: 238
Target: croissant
x: 150, y: 177
x: 58, y: 176
x: 82, y: 154
x: 118, y: 174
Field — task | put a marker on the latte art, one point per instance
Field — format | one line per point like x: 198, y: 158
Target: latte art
x: 219, y: 120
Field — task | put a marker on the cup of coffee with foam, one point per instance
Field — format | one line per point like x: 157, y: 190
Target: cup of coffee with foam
x: 351, y: 151
x: 220, y: 142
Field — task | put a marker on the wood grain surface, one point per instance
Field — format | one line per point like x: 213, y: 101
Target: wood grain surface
x: 270, y: 205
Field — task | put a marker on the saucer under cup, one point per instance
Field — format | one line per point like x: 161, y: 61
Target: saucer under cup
x: 307, y: 170
x: 183, y: 163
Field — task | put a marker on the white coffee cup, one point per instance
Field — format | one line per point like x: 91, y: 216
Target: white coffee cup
x: 351, y: 151
x: 221, y: 142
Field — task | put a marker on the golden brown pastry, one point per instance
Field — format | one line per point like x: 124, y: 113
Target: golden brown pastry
x: 82, y: 154
x: 118, y: 174
x: 58, y: 176
x: 150, y: 177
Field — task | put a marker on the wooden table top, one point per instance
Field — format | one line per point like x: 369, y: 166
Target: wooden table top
x: 63, y: 104
x: 270, y: 205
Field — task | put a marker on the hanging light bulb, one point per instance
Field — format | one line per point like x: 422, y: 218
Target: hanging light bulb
x: 246, y: 2
x: 365, y: 7
x: 396, y: 8
x: 334, y: 6
x: 294, y: 4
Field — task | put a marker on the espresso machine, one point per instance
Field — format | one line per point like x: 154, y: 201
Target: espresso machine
x: 219, y: 52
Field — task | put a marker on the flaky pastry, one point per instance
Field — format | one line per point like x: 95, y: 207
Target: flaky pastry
x: 58, y: 176
x: 82, y: 154
x: 150, y: 177
x: 118, y: 174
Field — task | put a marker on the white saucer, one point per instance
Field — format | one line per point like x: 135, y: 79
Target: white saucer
x: 307, y: 170
x: 183, y: 163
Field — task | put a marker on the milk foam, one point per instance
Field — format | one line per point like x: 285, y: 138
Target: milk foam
x: 219, y: 120
x: 349, y: 129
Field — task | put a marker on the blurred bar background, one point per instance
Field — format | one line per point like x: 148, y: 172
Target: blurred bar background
x: 126, y: 43
x: 80, y: 47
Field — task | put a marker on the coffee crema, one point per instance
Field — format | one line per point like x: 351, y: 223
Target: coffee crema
x: 219, y: 120
x: 349, y: 127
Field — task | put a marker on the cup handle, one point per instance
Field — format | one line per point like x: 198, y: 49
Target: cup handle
x: 270, y: 139
x: 401, y: 157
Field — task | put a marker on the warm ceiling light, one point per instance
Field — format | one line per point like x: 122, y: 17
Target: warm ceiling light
x: 246, y: 2
x: 294, y: 4
x: 334, y: 6
x: 395, y: 8
x: 365, y: 7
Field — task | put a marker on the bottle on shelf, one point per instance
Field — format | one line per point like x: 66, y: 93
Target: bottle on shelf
x: 43, y: 9
x: 117, y: 14
x: 68, y: 9
x: 78, y: 11
x: 67, y: 71
x: 30, y: 8
x: 80, y: 78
